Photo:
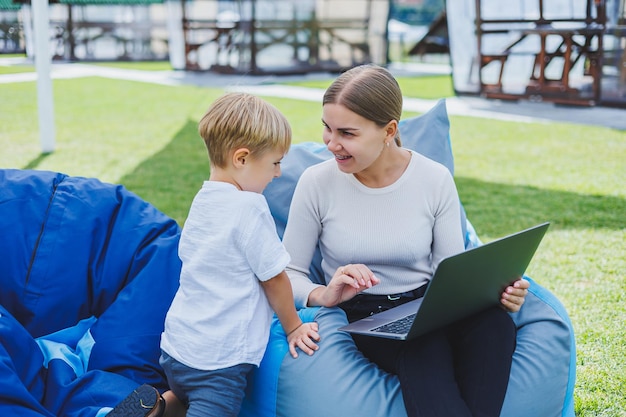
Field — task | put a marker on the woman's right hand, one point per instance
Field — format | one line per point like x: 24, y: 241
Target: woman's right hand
x: 348, y: 281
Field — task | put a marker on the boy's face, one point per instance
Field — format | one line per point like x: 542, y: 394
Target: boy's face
x: 258, y: 172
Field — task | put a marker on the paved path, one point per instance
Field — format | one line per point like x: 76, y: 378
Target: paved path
x: 519, y: 111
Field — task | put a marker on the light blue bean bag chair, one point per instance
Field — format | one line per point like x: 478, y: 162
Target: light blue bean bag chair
x: 338, y: 381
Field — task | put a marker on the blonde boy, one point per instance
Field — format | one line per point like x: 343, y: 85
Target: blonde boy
x: 233, y: 263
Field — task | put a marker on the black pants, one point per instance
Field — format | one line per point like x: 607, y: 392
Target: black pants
x: 457, y: 371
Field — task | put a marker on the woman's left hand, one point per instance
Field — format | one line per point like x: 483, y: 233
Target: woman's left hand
x: 514, y: 295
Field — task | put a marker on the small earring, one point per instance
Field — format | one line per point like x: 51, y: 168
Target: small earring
x: 387, y: 143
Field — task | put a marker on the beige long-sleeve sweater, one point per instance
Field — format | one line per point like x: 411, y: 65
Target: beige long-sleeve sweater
x: 401, y: 232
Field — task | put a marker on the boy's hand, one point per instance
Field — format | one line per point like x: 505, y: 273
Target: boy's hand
x: 305, y: 337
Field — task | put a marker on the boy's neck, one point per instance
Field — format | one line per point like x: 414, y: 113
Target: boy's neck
x: 222, y: 175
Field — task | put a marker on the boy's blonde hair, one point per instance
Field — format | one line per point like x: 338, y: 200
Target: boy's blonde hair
x: 240, y: 120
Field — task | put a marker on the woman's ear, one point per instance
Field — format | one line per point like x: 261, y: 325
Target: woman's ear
x: 391, y: 131
x: 239, y: 157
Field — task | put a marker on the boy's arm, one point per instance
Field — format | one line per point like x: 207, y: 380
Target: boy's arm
x: 280, y: 296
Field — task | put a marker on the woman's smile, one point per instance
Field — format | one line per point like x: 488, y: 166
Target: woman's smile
x: 342, y: 157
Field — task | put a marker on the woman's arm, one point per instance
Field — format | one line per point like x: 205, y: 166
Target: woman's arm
x: 300, y: 238
x: 448, y: 237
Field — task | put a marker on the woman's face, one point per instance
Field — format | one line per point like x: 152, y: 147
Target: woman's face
x: 355, y: 141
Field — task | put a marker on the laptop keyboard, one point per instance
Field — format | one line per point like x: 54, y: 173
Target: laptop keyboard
x: 400, y: 326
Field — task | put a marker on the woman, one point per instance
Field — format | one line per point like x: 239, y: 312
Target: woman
x: 384, y: 217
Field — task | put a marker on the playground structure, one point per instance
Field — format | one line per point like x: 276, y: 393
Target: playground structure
x: 282, y: 36
x: 235, y: 36
x: 564, y: 51
x: 93, y: 30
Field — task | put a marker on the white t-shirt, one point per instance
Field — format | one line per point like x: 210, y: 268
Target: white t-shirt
x: 401, y: 232
x: 220, y: 315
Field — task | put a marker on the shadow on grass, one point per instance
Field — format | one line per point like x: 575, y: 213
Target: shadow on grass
x: 171, y: 178
x: 498, y: 209
x: 34, y: 164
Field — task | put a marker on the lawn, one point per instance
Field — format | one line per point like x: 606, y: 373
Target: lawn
x: 510, y: 176
x: 15, y: 69
x: 427, y: 87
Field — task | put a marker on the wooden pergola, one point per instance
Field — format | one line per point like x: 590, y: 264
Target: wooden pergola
x: 237, y: 36
x: 80, y: 28
x: 133, y: 38
x: 563, y: 51
x: 283, y: 36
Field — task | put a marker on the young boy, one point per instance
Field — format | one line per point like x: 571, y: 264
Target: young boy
x: 233, y: 263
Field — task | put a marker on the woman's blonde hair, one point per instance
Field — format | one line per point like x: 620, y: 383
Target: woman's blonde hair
x: 241, y: 120
x: 369, y: 91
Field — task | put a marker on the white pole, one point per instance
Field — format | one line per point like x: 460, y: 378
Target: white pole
x: 27, y: 19
x: 41, y: 24
x: 176, y: 34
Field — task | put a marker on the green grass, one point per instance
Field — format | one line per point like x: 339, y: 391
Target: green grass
x: 15, y: 69
x: 510, y: 176
x: 138, y: 65
x: 135, y: 65
x: 428, y: 87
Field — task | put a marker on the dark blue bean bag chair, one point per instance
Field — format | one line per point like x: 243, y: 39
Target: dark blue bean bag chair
x: 87, y: 273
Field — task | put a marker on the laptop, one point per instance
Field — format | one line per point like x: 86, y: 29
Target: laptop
x: 463, y: 284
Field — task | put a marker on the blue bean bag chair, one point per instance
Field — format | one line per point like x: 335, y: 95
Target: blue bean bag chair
x: 87, y: 273
x: 338, y: 381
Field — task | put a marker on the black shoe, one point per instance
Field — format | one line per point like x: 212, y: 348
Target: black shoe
x: 144, y: 401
